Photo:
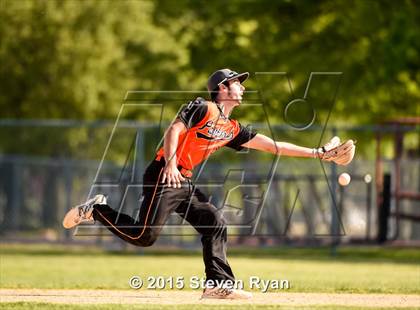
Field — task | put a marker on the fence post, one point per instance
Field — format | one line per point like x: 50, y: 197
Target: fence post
x: 68, y: 184
x: 384, y: 209
x: 368, y: 182
x: 335, y: 222
x: 16, y: 196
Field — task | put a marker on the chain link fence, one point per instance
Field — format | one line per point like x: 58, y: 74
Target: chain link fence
x: 265, y: 199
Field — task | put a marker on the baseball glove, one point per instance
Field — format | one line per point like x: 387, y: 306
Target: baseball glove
x: 337, y: 152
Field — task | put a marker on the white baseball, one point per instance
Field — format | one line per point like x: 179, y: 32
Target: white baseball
x: 344, y: 179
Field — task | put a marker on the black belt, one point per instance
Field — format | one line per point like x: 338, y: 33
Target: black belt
x: 185, y: 172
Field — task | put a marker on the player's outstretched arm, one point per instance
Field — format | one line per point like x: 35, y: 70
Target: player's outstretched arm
x: 334, y: 150
x: 263, y: 143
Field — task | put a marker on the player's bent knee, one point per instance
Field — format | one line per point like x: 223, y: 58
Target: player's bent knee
x: 149, y: 242
x: 149, y: 239
x: 145, y: 240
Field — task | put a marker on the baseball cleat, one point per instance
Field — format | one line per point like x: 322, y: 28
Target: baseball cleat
x: 224, y: 293
x: 83, y: 213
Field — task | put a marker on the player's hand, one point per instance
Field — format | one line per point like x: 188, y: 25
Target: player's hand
x: 172, y: 176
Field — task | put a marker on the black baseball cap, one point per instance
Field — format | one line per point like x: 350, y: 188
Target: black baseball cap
x: 221, y: 76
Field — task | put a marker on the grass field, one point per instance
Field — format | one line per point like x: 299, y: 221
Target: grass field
x: 352, y: 270
x: 36, y: 306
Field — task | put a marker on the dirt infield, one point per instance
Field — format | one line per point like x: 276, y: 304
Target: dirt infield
x: 193, y: 297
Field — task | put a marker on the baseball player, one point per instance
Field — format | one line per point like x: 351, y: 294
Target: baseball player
x: 200, y: 129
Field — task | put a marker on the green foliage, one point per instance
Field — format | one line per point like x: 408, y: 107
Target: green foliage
x: 71, y: 59
x: 76, y: 59
x: 374, y: 44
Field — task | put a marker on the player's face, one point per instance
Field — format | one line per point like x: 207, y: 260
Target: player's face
x: 236, y: 90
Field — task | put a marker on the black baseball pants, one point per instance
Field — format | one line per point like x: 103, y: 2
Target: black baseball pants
x: 158, y: 203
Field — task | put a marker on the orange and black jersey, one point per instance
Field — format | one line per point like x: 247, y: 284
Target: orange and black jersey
x: 208, y: 129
